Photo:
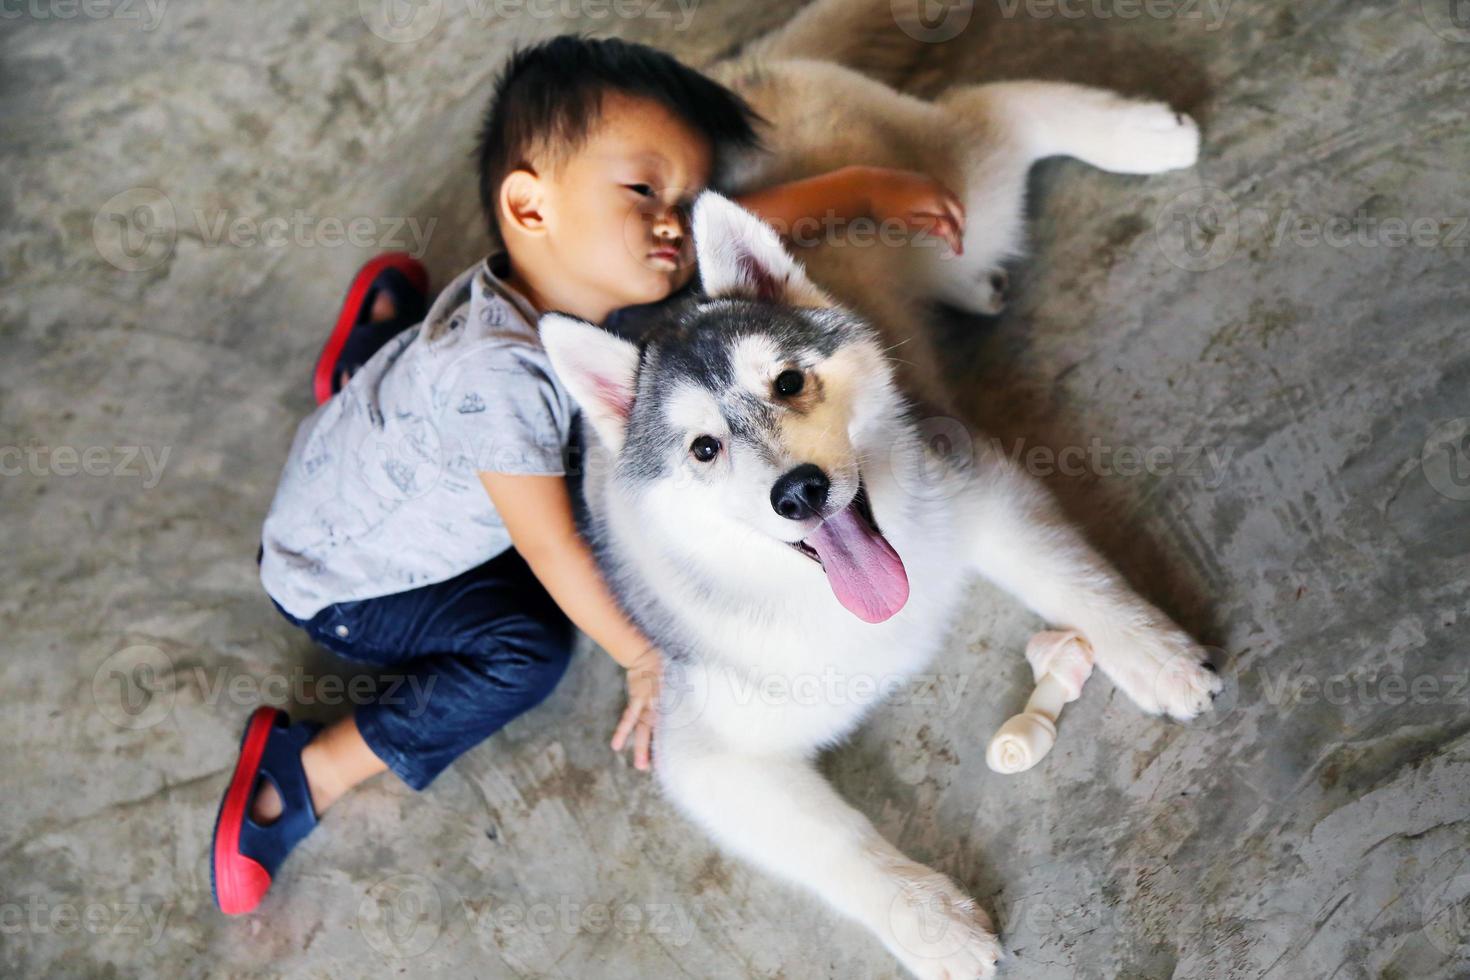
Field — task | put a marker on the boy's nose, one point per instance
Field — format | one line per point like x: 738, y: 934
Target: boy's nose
x: 669, y: 225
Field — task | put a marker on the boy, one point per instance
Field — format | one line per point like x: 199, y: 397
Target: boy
x: 424, y: 519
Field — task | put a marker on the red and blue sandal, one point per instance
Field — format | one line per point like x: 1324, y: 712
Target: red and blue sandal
x: 245, y: 854
x: 355, y: 338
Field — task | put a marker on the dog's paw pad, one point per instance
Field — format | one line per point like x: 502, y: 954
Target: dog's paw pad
x: 1185, y: 686
x: 941, y: 934
x: 1164, y: 139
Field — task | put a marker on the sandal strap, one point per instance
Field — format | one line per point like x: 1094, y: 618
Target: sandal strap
x: 367, y: 337
x: 281, y: 764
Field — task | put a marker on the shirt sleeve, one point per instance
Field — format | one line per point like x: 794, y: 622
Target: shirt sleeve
x: 503, y: 412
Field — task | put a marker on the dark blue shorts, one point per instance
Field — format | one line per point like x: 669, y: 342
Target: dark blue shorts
x: 474, y: 651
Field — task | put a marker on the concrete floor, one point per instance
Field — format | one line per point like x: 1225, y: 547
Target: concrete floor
x: 1296, y: 308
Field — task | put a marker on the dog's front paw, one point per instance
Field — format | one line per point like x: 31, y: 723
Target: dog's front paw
x: 938, y: 931
x: 1163, y: 671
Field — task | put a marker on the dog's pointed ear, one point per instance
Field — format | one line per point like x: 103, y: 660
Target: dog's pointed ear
x: 599, y: 369
x: 741, y: 256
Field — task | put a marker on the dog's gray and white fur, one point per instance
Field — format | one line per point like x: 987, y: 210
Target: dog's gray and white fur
x: 747, y: 594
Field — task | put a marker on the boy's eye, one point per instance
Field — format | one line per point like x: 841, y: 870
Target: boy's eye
x: 642, y: 190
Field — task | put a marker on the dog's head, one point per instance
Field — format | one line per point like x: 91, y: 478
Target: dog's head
x: 745, y: 420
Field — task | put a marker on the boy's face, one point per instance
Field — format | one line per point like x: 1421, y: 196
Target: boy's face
x: 618, y: 209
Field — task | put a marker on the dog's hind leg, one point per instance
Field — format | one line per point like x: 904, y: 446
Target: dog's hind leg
x: 1045, y: 119
x: 1021, y: 541
x: 1001, y: 129
x: 779, y: 813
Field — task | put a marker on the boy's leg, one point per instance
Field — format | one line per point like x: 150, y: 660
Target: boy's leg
x: 470, y: 654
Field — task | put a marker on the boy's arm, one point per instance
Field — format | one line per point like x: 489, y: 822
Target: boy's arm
x: 537, y: 511
x: 917, y: 200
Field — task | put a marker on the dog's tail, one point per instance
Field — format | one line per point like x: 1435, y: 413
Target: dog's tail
x: 884, y: 39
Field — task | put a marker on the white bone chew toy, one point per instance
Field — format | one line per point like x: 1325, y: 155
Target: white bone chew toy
x: 1061, y: 662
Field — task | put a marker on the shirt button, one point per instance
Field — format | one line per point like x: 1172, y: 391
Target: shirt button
x: 342, y: 631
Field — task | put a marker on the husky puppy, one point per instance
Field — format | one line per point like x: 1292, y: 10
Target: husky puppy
x: 762, y: 499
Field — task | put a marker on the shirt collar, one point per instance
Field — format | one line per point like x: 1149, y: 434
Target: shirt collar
x: 490, y: 285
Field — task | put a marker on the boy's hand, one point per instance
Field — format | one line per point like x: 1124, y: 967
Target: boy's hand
x: 644, y: 675
x: 918, y: 200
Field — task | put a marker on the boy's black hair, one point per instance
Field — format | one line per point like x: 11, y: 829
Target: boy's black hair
x: 550, y: 94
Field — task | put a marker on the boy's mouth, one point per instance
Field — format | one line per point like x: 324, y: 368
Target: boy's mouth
x: 665, y: 254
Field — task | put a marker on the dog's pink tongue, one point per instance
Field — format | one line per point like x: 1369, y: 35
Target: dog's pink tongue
x: 865, y: 573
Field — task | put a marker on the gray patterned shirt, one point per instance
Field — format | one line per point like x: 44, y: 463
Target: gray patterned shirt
x: 380, y: 493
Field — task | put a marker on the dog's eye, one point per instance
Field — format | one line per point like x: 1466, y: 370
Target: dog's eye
x: 789, y: 383
x: 705, y: 448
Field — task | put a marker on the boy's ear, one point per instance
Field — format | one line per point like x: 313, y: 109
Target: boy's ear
x: 521, y: 202
x: 599, y: 369
x: 740, y: 256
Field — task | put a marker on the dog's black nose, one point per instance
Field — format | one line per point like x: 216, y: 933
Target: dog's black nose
x: 800, y: 493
